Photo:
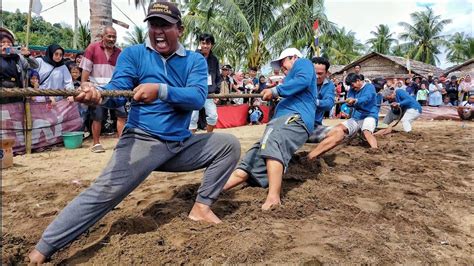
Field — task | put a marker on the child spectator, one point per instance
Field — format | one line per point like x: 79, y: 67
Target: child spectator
x: 446, y: 101
x: 35, y: 83
x: 422, y: 94
x: 255, y: 114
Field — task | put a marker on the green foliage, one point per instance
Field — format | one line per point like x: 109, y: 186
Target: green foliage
x: 84, y: 35
x: 424, y: 36
x: 342, y: 47
x: 248, y: 33
x: 137, y: 36
x: 382, y: 40
x: 460, y: 48
x: 41, y: 32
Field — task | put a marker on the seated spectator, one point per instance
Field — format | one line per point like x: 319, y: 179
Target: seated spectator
x: 465, y: 109
x: 446, y: 101
x: 422, y: 94
x: 255, y: 114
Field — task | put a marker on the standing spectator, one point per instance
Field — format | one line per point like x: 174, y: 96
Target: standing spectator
x: 262, y: 84
x: 253, y: 75
x: 206, y: 41
x: 435, y: 89
x: 452, y: 90
x: 78, y: 58
x: 14, y: 65
x: 400, y: 85
x: 275, y: 79
x: 410, y: 89
x: 97, y: 65
x: 422, y: 95
x: 53, y: 72
x: 357, y: 69
x: 466, y: 88
x: 227, y: 83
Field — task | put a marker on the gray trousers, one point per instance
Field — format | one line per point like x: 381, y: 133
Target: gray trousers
x: 136, y: 155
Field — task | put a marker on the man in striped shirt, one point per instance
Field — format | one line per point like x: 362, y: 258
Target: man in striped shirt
x: 98, y: 65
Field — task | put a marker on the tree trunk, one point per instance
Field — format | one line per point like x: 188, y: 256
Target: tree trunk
x: 101, y: 16
x: 76, y: 22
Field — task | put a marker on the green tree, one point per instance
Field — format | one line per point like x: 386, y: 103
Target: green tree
x: 424, y: 36
x: 137, y: 36
x: 84, y: 35
x: 382, y: 40
x: 250, y: 32
x: 342, y: 47
x: 460, y: 48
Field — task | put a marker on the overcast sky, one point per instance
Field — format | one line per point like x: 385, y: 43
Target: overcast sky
x: 360, y: 16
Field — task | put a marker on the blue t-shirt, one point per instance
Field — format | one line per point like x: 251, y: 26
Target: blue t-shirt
x: 299, y: 93
x: 406, y: 101
x: 366, y: 104
x: 183, y: 88
x: 324, y: 100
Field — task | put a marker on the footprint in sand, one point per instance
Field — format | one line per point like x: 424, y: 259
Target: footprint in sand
x: 368, y: 205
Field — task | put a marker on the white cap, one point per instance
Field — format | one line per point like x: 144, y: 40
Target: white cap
x: 286, y: 53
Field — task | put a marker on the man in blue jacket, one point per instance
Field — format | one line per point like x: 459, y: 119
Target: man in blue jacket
x: 169, y: 83
x: 362, y: 98
x: 406, y: 105
x: 267, y: 160
x: 324, y: 99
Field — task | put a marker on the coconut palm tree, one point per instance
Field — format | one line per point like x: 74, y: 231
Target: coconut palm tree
x: 251, y: 31
x: 460, y: 48
x: 137, y: 36
x: 382, y: 40
x: 425, y: 35
x: 101, y: 16
x: 342, y: 47
x: 84, y: 35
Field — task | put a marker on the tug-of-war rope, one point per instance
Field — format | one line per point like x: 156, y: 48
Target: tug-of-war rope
x: 30, y: 92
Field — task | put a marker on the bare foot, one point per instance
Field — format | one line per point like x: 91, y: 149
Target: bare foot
x: 270, y: 203
x: 201, y: 212
x: 36, y: 257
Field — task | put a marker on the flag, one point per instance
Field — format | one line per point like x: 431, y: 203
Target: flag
x: 37, y: 7
x: 316, y: 33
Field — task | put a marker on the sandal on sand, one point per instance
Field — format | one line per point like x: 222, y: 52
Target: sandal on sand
x: 97, y: 148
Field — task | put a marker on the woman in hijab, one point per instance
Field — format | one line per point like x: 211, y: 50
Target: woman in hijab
x: 54, y: 74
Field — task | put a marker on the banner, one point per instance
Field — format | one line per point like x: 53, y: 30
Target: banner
x: 49, y: 122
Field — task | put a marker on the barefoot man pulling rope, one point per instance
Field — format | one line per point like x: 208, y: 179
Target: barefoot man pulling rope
x: 170, y: 82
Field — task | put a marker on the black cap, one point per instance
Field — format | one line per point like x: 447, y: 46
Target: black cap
x: 226, y: 67
x: 165, y: 10
x: 454, y: 77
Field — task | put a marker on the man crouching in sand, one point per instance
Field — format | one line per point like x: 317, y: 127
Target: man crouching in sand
x: 170, y: 82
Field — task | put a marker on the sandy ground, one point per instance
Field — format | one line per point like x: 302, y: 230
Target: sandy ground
x: 409, y: 202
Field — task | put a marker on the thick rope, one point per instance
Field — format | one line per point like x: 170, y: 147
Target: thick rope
x: 29, y: 92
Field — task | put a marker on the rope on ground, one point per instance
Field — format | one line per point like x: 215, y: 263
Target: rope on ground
x: 30, y: 92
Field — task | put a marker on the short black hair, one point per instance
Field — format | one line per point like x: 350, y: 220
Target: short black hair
x: 378, y: 83
x: 253, y: 69
x: 207, y: 37
x: 353, y: 77
x: 321, y: 61
x: 358, y: 65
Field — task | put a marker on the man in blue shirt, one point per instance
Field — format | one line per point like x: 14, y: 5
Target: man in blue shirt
x: 362, y: 98
x: 402, y: 104
x: 264, y: 164
x: 324, y: 99
x: 169, y: 83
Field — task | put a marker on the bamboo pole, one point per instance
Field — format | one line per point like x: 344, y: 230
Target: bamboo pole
x: 28, y: 120
x: 76, y: 19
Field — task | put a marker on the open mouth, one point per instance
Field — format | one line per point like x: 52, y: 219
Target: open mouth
x: 161, y: 43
